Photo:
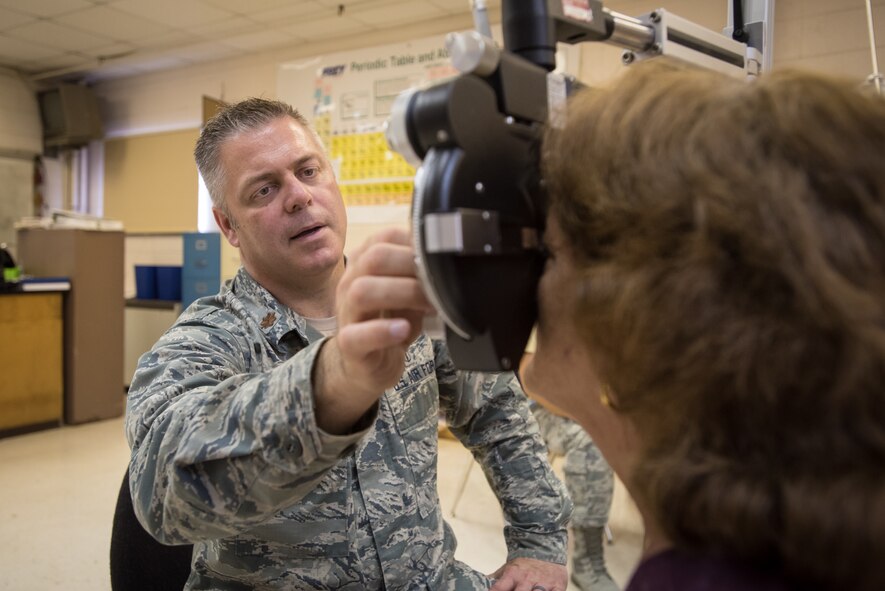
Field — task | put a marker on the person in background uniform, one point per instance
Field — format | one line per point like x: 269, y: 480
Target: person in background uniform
x: 287, y: 427
x: 590, y: 484
x: 713, y: 314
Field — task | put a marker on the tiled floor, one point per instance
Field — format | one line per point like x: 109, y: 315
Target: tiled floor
x: 58, y: 489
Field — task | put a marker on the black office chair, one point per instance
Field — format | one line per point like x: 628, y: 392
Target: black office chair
x: 138, y: 561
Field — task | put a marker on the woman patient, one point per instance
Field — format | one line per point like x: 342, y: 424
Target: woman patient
x: 713, y: 314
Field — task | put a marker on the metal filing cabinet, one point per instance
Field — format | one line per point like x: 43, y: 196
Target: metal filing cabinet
x: 201, y: 272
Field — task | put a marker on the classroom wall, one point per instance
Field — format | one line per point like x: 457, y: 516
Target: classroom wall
x: 827, y: 36
x: 172, y: 99
x: 20, y: 129
x: 20, y: 140
x: 150, y: 181
x: 16, y: 197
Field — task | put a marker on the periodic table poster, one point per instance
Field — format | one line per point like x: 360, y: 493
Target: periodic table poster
x: 348, y: 96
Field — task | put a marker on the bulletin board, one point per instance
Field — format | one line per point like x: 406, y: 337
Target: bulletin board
x: 348, y: 96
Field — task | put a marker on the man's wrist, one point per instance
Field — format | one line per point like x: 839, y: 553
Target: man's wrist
x: 339, y: 404
x: 551, y: 546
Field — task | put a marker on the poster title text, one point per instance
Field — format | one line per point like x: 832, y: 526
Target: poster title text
x: 396, y: 61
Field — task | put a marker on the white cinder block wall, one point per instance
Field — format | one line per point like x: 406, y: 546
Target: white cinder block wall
x: 827, y: 35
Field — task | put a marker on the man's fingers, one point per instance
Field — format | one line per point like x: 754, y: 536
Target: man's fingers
x: 505, y: 583
x: 380, y: 307
x: 364, y: 338
x: 416, y: 321
x: 389, y: 235
x: 529, y: 574
x: 368, y: 296
x: 386, y: 259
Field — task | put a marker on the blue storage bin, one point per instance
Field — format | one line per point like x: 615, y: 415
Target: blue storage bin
x: 145, y: 282
x: 169, y: 283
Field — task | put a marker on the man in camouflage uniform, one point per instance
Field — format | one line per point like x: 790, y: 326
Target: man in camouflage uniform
x: 590, y: 484
x: 287, y: 427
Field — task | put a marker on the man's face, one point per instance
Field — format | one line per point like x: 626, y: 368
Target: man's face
x: 284, y: 209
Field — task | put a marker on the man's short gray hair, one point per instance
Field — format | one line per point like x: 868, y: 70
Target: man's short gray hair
x: 246, y: 115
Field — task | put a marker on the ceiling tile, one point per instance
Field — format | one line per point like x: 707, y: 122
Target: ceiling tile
x: 253, y: 5
x: 348, y: 4
x: 58, y: 62
x: 113, y: 51
x: 45, y: 7
x: 173, y: 13
x: 59, y: 36
x: 461, y: 5
x: 229, y: 26
x: 172, y: 39
x: 210, y: 50
x: 12, y: 18
x: 16, y: 50
x: 401, y: 12
x: 258, y: 40
x: 108, y: 71
x: 112, y: 23
x: 291, y: 11
x: 160, y: 63
x: 317, y: 29
x: 464, y: 6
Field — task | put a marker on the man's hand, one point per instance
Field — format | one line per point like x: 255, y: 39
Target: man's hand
x: 380, y: 307
x: 528, y: 574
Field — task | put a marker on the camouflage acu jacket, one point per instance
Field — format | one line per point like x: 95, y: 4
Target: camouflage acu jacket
x: 226, y: 454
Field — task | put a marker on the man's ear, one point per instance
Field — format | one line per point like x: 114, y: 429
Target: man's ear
x: 226, y: 224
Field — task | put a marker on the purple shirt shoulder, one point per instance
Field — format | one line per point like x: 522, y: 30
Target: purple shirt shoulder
x: 673, y: 570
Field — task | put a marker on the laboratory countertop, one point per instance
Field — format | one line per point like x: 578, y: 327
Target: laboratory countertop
x: 36, y: 285
x: 152, y: 304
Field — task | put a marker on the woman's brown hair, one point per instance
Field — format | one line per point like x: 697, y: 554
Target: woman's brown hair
x: 731, y: 237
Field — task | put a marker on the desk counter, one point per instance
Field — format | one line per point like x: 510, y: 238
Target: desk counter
x: 31, y: 360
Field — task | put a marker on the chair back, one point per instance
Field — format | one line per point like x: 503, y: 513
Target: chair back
x: 138, y: 561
